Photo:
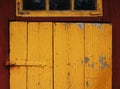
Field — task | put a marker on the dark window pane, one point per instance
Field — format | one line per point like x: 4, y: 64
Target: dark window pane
x: 85, y: 5
x: 33, y: 4
x: 59, y: 4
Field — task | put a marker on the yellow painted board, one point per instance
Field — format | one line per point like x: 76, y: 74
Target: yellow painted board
x: 98, y: 56
x: 68, y: 56
x: 40, y: 51
x: 18, y: 52
x: 32, y: 49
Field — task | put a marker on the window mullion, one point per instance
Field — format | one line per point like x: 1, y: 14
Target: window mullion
x: 47, y: 5
x: 72, y: 5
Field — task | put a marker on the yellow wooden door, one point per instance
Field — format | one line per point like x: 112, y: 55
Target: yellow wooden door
x: 48, y: 55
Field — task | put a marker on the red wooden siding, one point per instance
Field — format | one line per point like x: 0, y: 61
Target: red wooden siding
x: 115, y: 19
x: 4, y: 73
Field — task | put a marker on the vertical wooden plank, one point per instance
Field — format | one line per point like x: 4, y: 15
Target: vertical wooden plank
x: 40, y: 51
x: 18, y: 51
x: 98, y: 56
x: 68, y: 56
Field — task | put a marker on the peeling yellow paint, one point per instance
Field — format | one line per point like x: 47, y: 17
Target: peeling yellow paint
x: 98, y: 41
x: 49, y: 55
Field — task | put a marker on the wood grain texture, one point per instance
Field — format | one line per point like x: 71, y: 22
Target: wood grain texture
x: 4, y: 47
x: 33, y: 45
x: 40, y: 50
x: 18, y: 52
x: 98, y: 53
x: 72, y: 53
x: 68, y: 56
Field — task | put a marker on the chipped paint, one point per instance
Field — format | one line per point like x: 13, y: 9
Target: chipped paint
x: 88, y: 65
x: 86, y: 59
x: 99, y: 25
x: 81, y: 25
x: 101, y: 59
x: 92, y: 65
x: 66, y: 23
x: 103, y: 63
x: 89, y: 23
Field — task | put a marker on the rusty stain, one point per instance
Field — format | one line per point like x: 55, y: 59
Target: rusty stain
x: 86, y: 59
x: 99, y: 25
x: 87, y: 83
x: 8, y: 63
x: 81, y: 25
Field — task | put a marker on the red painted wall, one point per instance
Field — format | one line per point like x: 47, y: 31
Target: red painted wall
x: 115, y: 19
x: 7, y: 13
x: 4, y: 74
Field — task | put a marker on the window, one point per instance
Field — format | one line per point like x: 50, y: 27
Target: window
x: 59, y: 8
x: 33, y: 4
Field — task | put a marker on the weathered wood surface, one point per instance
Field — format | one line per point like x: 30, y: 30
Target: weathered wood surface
x: 68, y: 56
x: 64, y: 55
x: 18, y: 52
x: 98, y: 56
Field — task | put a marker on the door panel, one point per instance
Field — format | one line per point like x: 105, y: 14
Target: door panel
x: 18, y: 52
x: 31, y: 51
x: 49, y: 55
x: 40, y: 51
x: 68, y: 56
x: 98, y: 53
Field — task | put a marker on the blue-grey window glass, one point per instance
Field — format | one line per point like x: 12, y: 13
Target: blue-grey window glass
x: 85, y: 4
x: 59, y: 4
x: 33, y: 4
